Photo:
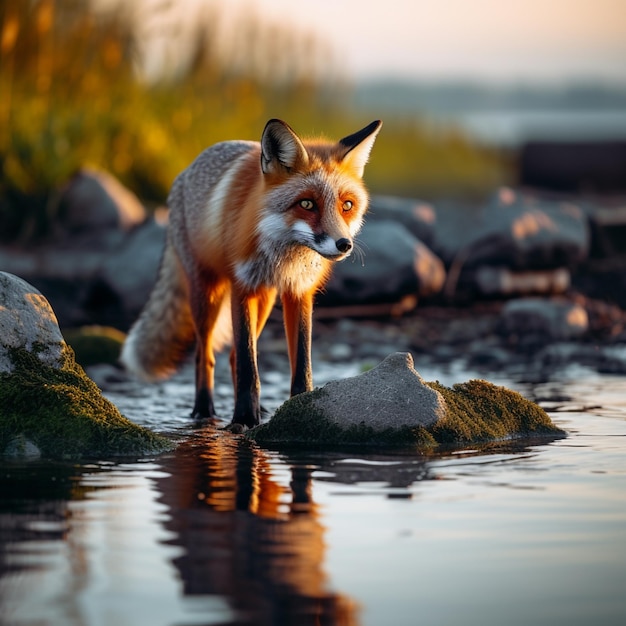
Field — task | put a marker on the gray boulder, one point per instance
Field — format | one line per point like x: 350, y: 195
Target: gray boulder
x: 122, y: 285
x: 27, y: 321
x: 513, y: 244
x: 417, y: 216
x: 94, y: 200
x: 392, y: 406
x: 97, y: 215
x: 48, y: 406
x: 100, y: 264
x: 543, y: 319
x: 520, y: 232
x: 391, y: 395
x: 395, y: 264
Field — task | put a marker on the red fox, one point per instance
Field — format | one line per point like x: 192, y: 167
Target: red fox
x: 249, y: 221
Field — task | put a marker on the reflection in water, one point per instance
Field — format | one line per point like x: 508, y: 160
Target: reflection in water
x: 24, y: 520
x: 219, y: 532
x: 35, y: 518
x: 79, y: 545
x: 247, y: 537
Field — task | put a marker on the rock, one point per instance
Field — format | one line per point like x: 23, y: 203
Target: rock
x: 21, y: 448
x: 46, y: 400
x: 522, y: 233
x: 486, y: 354
x: 395, y: 264
x: 122, y: 284
x: 520, y: 236
x: 27, y: 322
x: 543, y: 319
x: 391, y: 395
x: 63, y: 273
x: 492, y: 281
x: 603, y: 359
x: 604, y: 279
x: 95, y: 345
x: 417, y: 216
x: 98, y: 223
x: 392, y: 405
x: 607, y: 226
x: 94, y: 200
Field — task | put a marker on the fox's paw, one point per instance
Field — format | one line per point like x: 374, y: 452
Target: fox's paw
x: 242, y: 424
x: 199, y: 421
x: 204, y: 417
x: 236, y: 428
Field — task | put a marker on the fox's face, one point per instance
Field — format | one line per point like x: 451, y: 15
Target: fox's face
x: 315, y: 196
x: 318, y: 209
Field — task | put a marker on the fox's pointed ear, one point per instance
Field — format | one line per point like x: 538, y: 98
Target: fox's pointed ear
x: 281, y: 148
x: 358, y: 147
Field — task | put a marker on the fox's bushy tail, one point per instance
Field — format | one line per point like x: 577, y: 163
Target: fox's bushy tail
x: 163, y: 335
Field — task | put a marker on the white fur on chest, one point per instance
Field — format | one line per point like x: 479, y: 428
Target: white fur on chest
x: 293, y: 270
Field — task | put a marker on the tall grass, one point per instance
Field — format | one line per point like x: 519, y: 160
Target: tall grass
x: 78, y: 87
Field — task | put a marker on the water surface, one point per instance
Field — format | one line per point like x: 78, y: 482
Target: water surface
x: 222, y: 532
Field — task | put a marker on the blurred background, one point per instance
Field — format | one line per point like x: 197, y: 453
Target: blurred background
x: 464, y: 88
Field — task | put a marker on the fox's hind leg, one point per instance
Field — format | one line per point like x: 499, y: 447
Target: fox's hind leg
x: 207, y: 298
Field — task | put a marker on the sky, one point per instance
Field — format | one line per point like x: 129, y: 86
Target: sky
x: 486, y: 40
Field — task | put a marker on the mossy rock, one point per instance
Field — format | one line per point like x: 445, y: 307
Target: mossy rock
x: 470, y: 413
x: 64, y: 414
x: 94, y: 345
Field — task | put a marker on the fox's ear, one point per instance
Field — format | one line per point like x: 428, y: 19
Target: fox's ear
x: 281, y: 148
x: 358, y: 147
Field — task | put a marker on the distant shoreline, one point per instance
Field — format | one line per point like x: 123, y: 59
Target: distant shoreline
x: 506, y: 116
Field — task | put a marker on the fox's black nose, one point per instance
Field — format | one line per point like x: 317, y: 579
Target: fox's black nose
x: 343, y: 244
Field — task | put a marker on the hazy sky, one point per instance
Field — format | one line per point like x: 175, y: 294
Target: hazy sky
x: 511, y: 40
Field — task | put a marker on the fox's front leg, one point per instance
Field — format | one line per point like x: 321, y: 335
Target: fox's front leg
x: 245, y: 312
x: 297, y: 314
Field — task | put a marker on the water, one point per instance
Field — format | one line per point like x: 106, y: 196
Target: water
x: 221, y: 532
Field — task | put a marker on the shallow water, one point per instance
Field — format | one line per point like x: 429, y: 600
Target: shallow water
x: 221, y: 532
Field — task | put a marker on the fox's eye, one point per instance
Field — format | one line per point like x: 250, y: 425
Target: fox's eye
x: 347, y: 206
x: 307, y: 205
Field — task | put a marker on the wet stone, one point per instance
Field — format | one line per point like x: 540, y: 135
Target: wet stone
x: 392, y: 394
x: 27, y: 321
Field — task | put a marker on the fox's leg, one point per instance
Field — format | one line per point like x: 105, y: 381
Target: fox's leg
x: 265, y: 300
x: 247, y: 386
x: 206, y: 301
x: 297, y: 314
x: 250, y: 312
x: 266, y: 304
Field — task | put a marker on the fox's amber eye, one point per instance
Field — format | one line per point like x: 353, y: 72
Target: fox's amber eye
x: 347, y: 206
x: 307, y: 205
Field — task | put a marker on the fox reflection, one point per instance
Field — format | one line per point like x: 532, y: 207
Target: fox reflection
x: 249, y: 538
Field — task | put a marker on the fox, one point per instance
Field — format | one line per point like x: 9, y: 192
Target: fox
x: 249, y: 222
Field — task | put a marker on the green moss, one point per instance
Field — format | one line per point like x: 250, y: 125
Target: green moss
x: 95, y: 344
x: 64, y: 413
x: 477, y: 412
x: 481, y: 411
